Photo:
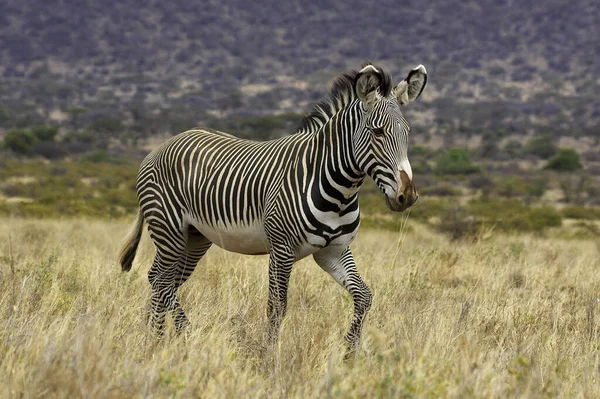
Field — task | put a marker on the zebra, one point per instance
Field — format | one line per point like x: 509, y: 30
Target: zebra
x: 289, y: 197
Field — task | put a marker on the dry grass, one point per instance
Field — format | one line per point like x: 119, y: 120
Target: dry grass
x: 502, y: 317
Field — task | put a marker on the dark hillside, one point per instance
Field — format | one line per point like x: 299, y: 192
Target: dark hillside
x: 163, y: 66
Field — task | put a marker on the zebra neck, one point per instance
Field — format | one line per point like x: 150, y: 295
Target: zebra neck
x: 337, y: 169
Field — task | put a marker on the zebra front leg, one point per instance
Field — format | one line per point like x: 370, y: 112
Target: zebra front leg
x: 280, y: 268
x: 339, y: 263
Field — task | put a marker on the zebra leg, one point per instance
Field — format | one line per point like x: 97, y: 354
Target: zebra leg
x: 170, y: 242
x: 160, y: 289
x: 342, y: 268
x: 280, y: 268
x: 196, y: 248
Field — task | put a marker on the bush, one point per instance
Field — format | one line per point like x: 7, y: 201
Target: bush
x: 566, y: 160
x: 513, y: 215
x: 541, y: 146
x: 20, y: 141
x: 456, y: 161
x: 514, y: 186
x: 26, y: 142
x: 45, y: 133
x: 580, y: 212
x: 102, y: 157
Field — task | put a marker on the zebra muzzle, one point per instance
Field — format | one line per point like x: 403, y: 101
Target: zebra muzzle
x: 406, y: 196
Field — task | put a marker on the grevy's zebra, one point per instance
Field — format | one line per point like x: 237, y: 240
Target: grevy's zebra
x: 290, y: 197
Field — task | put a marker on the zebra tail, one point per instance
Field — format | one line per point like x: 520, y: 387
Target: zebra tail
x: 132, y: 239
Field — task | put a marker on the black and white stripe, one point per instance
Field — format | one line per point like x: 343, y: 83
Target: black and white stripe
x: 290, y: 197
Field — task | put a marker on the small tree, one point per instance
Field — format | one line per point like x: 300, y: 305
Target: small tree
x: 20, y: 141
x: 45, y: 133
x: 456, y: 161
x: 566, y: 160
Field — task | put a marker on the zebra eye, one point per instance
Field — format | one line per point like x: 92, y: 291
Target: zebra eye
x: 378, y: 131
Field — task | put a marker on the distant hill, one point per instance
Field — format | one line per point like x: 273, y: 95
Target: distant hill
x: 503, y: 67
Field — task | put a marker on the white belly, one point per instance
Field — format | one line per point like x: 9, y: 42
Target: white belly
x: 250, y: 239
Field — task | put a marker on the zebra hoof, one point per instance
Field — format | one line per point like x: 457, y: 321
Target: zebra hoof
x: 350, y: 356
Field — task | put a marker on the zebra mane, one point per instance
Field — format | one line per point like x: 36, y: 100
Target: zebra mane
x: 342, y: 93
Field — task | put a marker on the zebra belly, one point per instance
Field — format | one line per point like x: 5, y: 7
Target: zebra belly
x: 246, y: 239
x: 315, y: 243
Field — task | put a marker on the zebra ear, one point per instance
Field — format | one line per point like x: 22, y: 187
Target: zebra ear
x: 411, y: 88
x: 368, y: 81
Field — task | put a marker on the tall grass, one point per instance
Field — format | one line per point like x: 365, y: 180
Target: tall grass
x: 503, y: 316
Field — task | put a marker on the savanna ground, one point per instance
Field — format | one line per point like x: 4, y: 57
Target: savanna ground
x: 499, y: 316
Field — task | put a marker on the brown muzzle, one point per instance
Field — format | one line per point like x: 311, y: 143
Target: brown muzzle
x: 406, y: 196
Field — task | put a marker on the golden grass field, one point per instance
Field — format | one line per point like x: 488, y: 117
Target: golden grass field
x: 504, y: 316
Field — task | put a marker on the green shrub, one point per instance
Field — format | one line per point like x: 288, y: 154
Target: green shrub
x: 102, y: 157
x: 456, y: 161
x: 541, y: 146
x: 566, y: 160
x: 580, y: 212
x: 45, y: 133
x: 536, y: 187
x: 20, y: 141
x: 514, y: 186
x: 513, y: 215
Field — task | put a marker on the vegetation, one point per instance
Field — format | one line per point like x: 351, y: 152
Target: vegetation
x: 81, y: 188
x: 456, y: 161
x: 581, y: 212
x: 24, y: 141
x: 102, y: 184
x: 514, y: 186
x: 541, y: 146
x: 127, y: 76
x: 566, y: 160
x: 74, y: 325
x: 512, y: 215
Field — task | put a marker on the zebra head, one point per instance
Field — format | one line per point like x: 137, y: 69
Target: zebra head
x: 381, y: 142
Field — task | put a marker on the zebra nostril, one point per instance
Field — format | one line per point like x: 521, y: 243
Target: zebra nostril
x: 401, y: 199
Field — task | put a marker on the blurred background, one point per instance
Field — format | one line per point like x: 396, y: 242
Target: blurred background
x: 505, y: 136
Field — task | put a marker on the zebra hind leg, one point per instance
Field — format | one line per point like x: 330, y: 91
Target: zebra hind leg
x: 160, y: 289
x: 166, y: 276
x: 170, y: 243
x: 196, y: 248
